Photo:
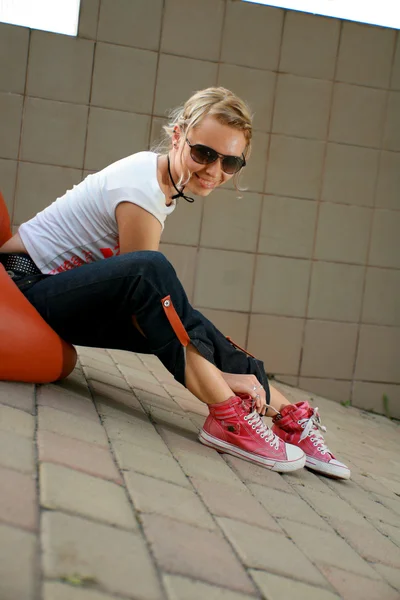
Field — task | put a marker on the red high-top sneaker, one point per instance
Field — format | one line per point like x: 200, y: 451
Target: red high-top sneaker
x: 235, y: 428
x: 299, y: 424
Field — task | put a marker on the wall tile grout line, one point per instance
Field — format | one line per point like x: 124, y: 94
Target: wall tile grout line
x: 321, y: 183
x: 361, y: 322
x: 21, y: 129
x: 264, y: 184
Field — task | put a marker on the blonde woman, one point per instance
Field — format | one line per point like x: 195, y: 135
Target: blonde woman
x: 90, y: 264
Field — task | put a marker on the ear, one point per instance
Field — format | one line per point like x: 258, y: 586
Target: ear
x: 176, y: 136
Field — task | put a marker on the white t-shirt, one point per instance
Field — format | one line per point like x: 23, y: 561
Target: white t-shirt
x: 80, y: 227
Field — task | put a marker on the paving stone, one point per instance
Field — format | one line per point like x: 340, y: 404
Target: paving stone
x: 75, y: 384
x: 390, y: 484
x: 197, y: 420
x: 151, y: 388
x: 164, y: 376
x: 194, y: 406
x: 139, y: 379
x: 251, y: 473
x: 224, y: 501
x: 71, y: 403
x: 179, y: 391
x: 274, y: 587
x: 100, y: 375
x: 77, y: 455
x: 392, y: 576
x: 305, y: 478
x: 151, y: 495
x: 117, y: 560
x: 392, y: 504
x: 197, y: 553
x: 262, y: 549
x: 18, y: 395
x: 392, y: 532
x: 327, y: 505
x: 155, y: 464
x: 70, y: 491
x: 181, y: 588
x: 136, y: 376
x: 159, y: 401
x: 18, y: 503
x: 108, y: 394
x: 122, y: 357
x: 128, y: 414
x: 107, y: 366
x: 54, y: 590
x: 187, y: 442
x: 354, y: 587
x: 71, y: 426
x: 212, y: 468
x: 151, y: 361
x: 17, y: 421
x: 96, y: 353
x: 368, y: 542
x: 370, y: 484
x: 139, y: 433
x: 167, y: 419
x: 289, y: 506
x: 17, y: 452
x: 369, y: 505
x: 323, y: 547
x: 17, y: 564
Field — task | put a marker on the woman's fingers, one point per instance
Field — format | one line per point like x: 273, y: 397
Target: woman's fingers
x: 259, y: 395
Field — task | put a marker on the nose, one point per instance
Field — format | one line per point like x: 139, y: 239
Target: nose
x: 214, y: 170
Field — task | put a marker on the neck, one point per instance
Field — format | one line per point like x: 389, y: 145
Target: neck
x: 179, y: 192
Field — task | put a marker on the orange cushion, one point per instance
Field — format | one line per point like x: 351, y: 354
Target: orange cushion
x: 30, y: 350
x: 5, y: 227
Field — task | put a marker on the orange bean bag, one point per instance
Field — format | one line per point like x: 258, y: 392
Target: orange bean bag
x: 30, y: 350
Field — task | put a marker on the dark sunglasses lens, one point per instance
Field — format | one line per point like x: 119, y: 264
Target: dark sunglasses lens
x: 232, y: 164
x: 203, y: 155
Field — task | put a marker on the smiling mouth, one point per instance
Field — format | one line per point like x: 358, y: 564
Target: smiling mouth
x: 206, y: 183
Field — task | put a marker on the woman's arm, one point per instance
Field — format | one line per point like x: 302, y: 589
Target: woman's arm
x: 137, y: 228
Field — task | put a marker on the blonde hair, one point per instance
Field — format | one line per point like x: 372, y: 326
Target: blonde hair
x: 223, y: 105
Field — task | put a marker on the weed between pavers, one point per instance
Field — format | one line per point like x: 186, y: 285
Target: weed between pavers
x: 79, y: 580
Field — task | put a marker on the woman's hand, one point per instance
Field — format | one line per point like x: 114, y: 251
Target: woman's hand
x: 248, y: 384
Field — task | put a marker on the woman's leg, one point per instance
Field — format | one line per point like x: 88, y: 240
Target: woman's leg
x: 277, y: 402
x: 93, y: 305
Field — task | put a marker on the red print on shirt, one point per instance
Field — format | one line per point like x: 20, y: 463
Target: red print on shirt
x: 77, y: 261
x: 109, y: 252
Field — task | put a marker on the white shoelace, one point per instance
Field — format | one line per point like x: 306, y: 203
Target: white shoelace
x: 262, y: 429
x: 312, y: 427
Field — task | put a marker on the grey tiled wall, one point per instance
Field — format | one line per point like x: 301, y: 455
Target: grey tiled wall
x: 304, y: 269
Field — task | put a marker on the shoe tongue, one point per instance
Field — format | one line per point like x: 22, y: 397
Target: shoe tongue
x: 302, y: 410
x: 247, y: 402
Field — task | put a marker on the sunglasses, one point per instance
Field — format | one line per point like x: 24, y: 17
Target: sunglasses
x: 203, y: 155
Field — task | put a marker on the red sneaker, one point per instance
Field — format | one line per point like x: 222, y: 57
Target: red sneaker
x: 235, y: 428
x: 299, y: 424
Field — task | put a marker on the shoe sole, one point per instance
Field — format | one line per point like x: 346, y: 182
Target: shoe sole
x: 322, y: 468
x: 273, y: 465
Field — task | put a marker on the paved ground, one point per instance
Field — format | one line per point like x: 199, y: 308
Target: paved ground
x: 105, y: 494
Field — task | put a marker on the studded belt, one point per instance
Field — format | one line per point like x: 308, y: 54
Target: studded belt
x: 18, y: 265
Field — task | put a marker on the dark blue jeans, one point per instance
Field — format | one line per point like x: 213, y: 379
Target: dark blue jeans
x: 93, y: 305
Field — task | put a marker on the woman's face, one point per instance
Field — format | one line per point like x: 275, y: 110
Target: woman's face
x: 221, y: 138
